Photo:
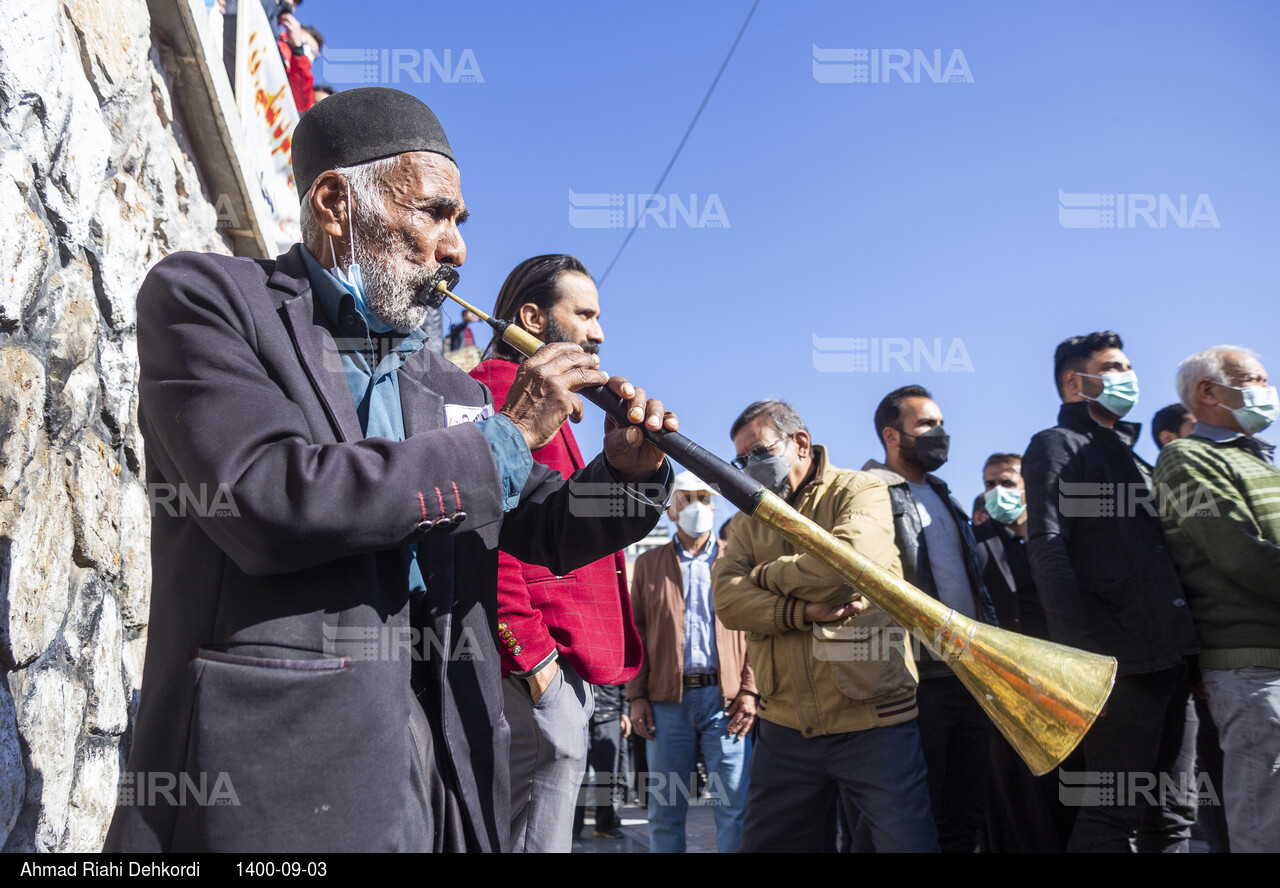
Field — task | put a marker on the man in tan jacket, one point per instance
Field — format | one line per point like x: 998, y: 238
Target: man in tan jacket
x: 837, y: 708
x: 695, y: 687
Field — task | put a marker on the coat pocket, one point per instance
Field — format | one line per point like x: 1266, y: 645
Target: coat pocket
x: 301, y: 749
x: 866, y: 655
x: 316, y: 664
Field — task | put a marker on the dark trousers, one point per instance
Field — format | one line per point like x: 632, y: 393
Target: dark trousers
x: 956, y: 737
x: 603, y: 787
x: 1024, y: 813
x: 794, y: 781
x: 1142, y: 755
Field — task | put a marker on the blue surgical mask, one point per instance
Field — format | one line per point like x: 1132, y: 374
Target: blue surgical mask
x: 1261, y: 407
x: 352, y: 280
x: 1119, y: 392
x: 1004, y: 504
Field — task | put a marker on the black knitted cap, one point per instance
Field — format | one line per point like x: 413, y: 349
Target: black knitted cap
x: 358, y: 125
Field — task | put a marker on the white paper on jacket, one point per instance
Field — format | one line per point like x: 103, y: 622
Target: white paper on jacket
x: 460, y: 413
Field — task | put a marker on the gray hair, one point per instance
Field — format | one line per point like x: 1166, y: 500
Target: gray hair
x: 1207, y: 364
x: 781, y: 414
x: 366, y: 192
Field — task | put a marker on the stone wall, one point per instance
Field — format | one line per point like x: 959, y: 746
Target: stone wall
x: 95, y: 187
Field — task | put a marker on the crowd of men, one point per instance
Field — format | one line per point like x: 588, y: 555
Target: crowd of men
x: 1170, y: 569
x: 381, y: 493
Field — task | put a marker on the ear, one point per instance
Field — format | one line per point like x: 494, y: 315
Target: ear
x: 1166, y: 437
x: 803, y: 443
x: 328, y: 199
x: 1070, y: 383
x: 532, y: 318
x: 889, y: 437
x: 1205, y: 394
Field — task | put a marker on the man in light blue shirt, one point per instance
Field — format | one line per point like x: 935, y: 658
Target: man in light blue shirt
x: 694, y: 690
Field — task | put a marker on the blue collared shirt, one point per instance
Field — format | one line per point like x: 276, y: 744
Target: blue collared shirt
x: 370, y: 363
x: 700, y: 654
x: 1218, y: 435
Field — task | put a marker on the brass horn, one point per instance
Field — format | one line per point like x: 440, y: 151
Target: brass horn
x: 1042, y: 696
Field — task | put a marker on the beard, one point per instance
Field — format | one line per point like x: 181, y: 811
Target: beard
x: 909, y: 456
x: 391, y: 281
x: 556, y: 333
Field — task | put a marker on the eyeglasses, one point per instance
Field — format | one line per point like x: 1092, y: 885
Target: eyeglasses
x: 756, y: 454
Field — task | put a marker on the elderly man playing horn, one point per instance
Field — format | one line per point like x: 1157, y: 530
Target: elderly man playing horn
x: 1219, y: 492
x: 372, y: 487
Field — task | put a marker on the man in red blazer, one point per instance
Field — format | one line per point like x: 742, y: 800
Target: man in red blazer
x: 554, y: 632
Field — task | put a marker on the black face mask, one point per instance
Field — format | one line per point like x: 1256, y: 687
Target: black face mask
x: 929, y: 451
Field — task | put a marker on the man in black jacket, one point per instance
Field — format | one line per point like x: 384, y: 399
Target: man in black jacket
x: 940, y: 557
x: 1024, y: 814
x: 1108, y: 585
x: 1002, y: 557
x: 321, y: 648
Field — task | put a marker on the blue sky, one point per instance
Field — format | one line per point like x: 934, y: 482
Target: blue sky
x: 878, y: 211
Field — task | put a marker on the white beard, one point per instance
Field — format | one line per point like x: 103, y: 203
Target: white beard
x: 391, y: 281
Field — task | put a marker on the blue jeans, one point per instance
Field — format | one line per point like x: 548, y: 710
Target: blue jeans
x: 699, y: 719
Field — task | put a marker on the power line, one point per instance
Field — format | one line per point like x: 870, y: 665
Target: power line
x: 680, y: 147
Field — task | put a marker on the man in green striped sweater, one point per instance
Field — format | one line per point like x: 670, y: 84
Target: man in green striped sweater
x: 1219, y: 493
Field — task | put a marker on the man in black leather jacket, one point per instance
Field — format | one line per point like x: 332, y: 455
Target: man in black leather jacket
x: 940, y: 557
x: 1108, y: 585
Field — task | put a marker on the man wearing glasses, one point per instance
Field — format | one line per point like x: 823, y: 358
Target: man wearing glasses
x: 837, y: 691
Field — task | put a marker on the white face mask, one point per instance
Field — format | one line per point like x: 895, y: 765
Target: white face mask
x: 1119, y: 391
x: 1260, y: 409
x: 696, y: 519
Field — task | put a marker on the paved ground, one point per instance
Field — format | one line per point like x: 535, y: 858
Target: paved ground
x: 700, y: 833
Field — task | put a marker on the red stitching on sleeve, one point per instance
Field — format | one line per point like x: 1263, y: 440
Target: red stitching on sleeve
x: 422, y: 504
x: 456, y: 498
x: 440, y: 500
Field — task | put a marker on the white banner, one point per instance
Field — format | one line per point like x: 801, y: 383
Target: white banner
x: 268, y: 115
